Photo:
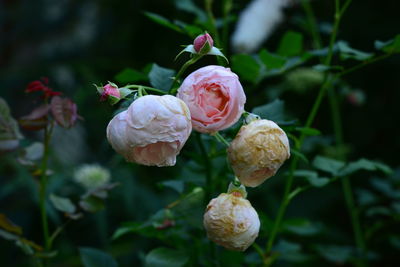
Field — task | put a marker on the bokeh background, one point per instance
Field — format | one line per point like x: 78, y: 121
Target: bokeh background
x: 78, y: 43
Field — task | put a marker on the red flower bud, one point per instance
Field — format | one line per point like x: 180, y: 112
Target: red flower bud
x: 109, y: 90
x: 203, y: 43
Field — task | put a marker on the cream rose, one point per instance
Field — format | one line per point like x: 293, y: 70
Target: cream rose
x: 152, y: 131
x: 214, y: 96
x: 231, y: 221
x: 257, y: 152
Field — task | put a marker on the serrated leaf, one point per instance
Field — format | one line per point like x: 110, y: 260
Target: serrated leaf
x: 291, y: 44
x: 328, y: 165
x: 163, y: 21
x: 62, y: 204
x: 271, y: 61
x: 129, y: 75
x: 246, y: 67
x: 165, y: 257
x: 161, y: 78
x: 347, y: 52
x: 92, y: 257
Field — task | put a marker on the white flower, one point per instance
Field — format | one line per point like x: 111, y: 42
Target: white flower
x: 92, y: 175
x: 231, y: 221
x: 256, y: 23
x: 257, y: 152
x: 152, y: 131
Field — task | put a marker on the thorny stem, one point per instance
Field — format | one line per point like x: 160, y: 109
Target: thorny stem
x: 310, y: 119
x: 312, y: 22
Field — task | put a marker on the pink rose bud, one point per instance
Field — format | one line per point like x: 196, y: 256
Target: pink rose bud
x: 152, y: 131
x: 203, y: 43
x: 215, y: 98
x: 110, y: 90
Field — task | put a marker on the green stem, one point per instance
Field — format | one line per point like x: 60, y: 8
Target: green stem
x: 181, y: 71
x: 208, y: 167
x: 43, y: 189
x: 221, y: 139
x: 310, y: 120
x: 312, y: 23
x: 363, y: 64
x: 214, y: 32
x: 226, y: 9
x: 346, y: 184
x: 146, y: 88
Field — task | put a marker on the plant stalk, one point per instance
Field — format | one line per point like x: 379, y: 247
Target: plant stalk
x: 293, y: 166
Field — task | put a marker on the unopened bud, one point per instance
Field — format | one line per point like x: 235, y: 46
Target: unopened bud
x: 203, y: 43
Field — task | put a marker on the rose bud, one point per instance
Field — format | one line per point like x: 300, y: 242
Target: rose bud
x: 203, y: 44
x: 257, y: 152
x: 231, y: 221
x: 214, y: 96
x: 152, y: 131
x: 110, y: 90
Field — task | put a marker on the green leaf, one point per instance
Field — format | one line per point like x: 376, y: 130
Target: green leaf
x: 165, y: 257
x: 301, y: 227
x: 92, y: 257
x: 177, y: 185
x: 273, y: 111
x: 291, y: 44
x: 129, y: 75
x: 347, y: 52
x: 9, y: 226
x: 312, y: 178
x: 161, y: 78
x: 391, y: 46
x: 290, y: 251
x: 163, y: 21
x: 189, y: 6
x: 365, y: 164
x: 62, y: 204
x: 328, y: 165
x: 246, y: 67
x: 308, y: 131
x: 271, y: 61
x: 336, y: 254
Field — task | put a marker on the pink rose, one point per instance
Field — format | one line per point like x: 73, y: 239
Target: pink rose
x: 215, y: 98
x: 152, y: 131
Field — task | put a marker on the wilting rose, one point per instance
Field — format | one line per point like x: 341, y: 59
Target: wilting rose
x: 231, y: 221
x: 215, y: 98
x: 152, y: 131
x: 257, y: 152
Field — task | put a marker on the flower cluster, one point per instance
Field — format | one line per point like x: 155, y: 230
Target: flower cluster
x: 153, y: 130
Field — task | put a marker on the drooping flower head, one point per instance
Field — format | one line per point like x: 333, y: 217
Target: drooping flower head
x: 152, y: 131
x: 231, y: 221
x: 214, y: 96
x: 258, y: 151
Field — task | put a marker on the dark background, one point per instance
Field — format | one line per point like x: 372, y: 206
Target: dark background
x: 78, y: 43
